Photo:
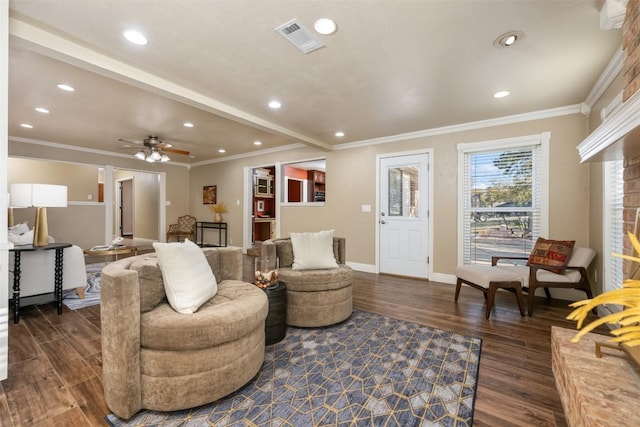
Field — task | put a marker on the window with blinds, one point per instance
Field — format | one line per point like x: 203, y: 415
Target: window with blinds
x: 502, y: 202
x: 613, y: 224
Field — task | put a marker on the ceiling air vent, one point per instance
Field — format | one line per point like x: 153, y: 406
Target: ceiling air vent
x: 299, y: 36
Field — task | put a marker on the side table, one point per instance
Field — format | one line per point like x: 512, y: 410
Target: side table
x: 275, y: 326
x: 17, y: 251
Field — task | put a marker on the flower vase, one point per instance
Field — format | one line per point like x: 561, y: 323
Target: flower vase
x: 217, y: 217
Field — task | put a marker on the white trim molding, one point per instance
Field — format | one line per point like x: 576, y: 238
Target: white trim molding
x: 615, y: 136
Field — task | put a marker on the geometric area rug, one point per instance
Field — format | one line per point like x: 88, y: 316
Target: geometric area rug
x: 369, y: 370
x: 70, y: 297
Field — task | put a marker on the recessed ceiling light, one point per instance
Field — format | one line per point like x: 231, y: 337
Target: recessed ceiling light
x: 222, y: 150
x: 257, y: 142
x: 501, y: 94
x: 42, y: 110
x: 275, y: 104
x: 187, y: 124
x: 26, y: 125
x: 135, y: 37
x: 66, y: 87
x: 508, y: 39
x: 325, y: 26
x: 339, y: 134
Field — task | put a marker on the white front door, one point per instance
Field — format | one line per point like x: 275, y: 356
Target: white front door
x: 403, y: 215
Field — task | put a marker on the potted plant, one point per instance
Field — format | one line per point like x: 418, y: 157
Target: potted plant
x: 219, y: 209
x: 627, y: 335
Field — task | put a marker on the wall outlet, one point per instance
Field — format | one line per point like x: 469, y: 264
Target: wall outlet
x: 90, y: 197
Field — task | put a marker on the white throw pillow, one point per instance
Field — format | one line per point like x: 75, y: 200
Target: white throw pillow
x: 18, y: 229
x: 313, y: 251
x: 187, y: 276
x: 21, y: 239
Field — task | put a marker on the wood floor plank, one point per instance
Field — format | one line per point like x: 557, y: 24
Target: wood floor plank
x: 67, y: 362
x: 83, y: 336
x: 90, y: 398
x: 22, y: 345
x: 37, y: 402
x: 31, y: 371
x: 5, y: 414
x: 55, y: 363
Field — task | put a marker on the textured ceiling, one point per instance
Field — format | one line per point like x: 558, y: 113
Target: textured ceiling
x: 392, y: 67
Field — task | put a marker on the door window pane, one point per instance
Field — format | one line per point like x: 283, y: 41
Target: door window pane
x: 404, y: 192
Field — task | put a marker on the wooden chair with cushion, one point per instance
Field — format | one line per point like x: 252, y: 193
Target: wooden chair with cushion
x: 185, y: 228
x: 570, y: 274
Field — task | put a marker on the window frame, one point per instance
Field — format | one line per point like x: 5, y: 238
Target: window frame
x: 541, y: 140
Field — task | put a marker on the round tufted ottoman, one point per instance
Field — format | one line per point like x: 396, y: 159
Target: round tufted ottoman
x: 318, y: 297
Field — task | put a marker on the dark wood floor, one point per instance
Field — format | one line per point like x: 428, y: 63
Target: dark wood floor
x: 55, y: 364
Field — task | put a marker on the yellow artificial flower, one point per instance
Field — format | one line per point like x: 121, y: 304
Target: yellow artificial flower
x: 218, y: 207
x: 628, y: 297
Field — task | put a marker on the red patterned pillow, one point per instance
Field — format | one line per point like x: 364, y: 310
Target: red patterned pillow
x: 551, y: 253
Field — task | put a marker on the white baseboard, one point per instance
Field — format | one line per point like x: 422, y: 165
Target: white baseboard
x: 365, y: 268
x: 449, y: 279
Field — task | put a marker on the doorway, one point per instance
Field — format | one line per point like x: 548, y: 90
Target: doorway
x: 403, y: 214
x: 125, y: 208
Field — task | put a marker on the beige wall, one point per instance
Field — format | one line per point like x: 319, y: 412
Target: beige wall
x: 81, y: 180
x: 351, y: 182
x: 86, y: 223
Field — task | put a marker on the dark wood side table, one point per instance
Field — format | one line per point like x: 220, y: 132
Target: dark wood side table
x: 17, y: 252
x: 275, y: 326
x: 222, y: 233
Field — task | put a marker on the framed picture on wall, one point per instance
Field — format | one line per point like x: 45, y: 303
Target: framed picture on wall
x: 209, y: 194
x: 260, y: 207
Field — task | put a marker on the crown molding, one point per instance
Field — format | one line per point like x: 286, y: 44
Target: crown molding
x: 500, y: 121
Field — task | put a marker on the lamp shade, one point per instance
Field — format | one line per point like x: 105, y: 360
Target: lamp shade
x: 38, y: 195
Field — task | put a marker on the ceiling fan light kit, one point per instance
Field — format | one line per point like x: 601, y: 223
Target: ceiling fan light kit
x: 153, y: 149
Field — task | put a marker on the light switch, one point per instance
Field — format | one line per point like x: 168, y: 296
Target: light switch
x: 366, y: 208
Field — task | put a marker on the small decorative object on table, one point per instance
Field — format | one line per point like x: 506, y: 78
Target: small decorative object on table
x: 266, y: 272
x: 219, y: 209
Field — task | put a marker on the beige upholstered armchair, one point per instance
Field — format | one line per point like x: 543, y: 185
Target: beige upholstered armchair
x: 314, y: 297
x: 185, y: 228
x: 156, y: 358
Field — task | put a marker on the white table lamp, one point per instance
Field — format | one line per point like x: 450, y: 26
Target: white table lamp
x: 40, y: 196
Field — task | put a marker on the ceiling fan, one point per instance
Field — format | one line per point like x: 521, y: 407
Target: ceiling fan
x: 153, y: 149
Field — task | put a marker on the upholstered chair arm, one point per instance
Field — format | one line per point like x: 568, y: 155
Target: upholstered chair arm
x: 340, y: 249
x: 533, y: 270
x: 226, y: 263
x: 120, y: 324
x: 268, y: 250
x: 496, y: 259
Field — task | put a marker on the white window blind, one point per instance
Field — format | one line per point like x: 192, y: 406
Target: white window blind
x: 502, y: 202
x: 613, y: 224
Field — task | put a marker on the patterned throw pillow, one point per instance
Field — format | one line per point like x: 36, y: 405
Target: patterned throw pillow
x: 551, y: 253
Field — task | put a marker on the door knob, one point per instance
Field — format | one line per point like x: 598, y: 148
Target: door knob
x: 382, y: 221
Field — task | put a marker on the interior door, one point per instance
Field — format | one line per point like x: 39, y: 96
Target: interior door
x: 403, y: 224
x: 126, y: 208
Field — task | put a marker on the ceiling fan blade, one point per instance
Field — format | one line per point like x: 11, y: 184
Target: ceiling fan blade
x: 176, y: 151
x: 130, y: 141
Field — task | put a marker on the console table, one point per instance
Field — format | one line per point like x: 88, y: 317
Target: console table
x: 17, y: 250
x: 222, y: 233
x: 594, y: 391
